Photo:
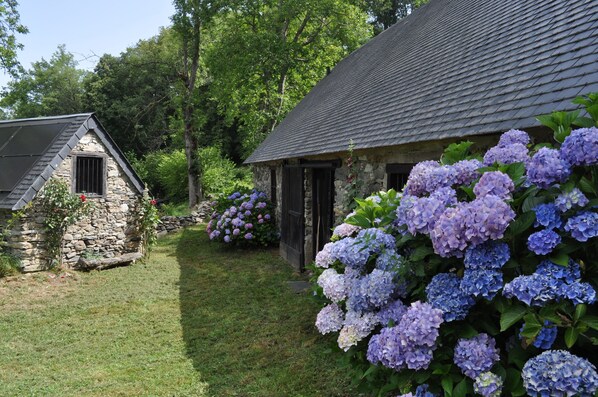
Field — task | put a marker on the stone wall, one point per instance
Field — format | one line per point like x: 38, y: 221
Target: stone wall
x: 170, y: 224
x: 107, y: 231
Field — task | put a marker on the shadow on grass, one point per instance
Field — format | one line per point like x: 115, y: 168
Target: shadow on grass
x: 245, y: 331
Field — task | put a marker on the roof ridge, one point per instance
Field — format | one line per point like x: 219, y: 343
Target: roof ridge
x: 41, y: 118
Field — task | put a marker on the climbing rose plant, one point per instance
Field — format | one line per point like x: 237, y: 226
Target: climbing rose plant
x: 479, y: 278
x: 243, y: 218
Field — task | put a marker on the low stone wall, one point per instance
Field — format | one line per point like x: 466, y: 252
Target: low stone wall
x: 170, y: 224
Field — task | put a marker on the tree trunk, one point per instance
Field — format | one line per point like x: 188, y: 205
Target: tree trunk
x: 195, y: 193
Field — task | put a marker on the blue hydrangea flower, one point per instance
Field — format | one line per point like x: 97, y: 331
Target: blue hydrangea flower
x: 513, y: 136
x: 420, y: 391
x: 330, y: 319
x: 509, y: 154
x: 439, y: 177
x: 543, y: 242
x: 444, y: 293
x: 581, y: 147
x: 466, y: 171
x: 376, y: 240
x: 547, y: 216
x: 487, y: 219
x: 494, y: 183
x: 388, y: 260
x: 393, y: 311
x: 476, y: 355
x: 490, y: 255
x: 547, y: 168
x: 488, y: 384
x: 324, y: 258
x: 351, y: 252
x: 559, y: 373
x: 446, y: 195
x: 406, y: 204
x: 583, y: 226
x: 484, y: 283
x: 572, y: 199
x: 448, y: 235
x: 545, y: 337
x: 377, y: 287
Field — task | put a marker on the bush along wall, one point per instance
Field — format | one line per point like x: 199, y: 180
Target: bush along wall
x: 244, y: 219
x: 479, y: 279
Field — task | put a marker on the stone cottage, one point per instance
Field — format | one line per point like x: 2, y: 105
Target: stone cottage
x: 75, y: 149
x: 453, y: 69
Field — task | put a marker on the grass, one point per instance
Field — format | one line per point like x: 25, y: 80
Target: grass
x: 175, y: 209
x: 196, y: 320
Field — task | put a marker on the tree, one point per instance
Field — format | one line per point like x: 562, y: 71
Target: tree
x: 189, y: 23
x: 268, y: 54
x: 49, y: 88
x: 385, y: 13
x: 133, y: 94
x: 10, y: 25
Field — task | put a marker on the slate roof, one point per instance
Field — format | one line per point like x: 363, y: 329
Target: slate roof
x: 453, y: 68
x: 31, y: 149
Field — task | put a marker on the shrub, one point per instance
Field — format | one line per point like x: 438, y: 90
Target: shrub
x: 220, y: 174
x: 243, y: 219
x: 461, y: 282
x: 9, y: 264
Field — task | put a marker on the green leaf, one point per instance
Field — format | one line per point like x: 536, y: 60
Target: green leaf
x: 510, y: 316
x: 447, y: 386
x: 461, y: 389
x: 571, y: 335
x: 359, y: 220
x: 531, y: 202
x: 586, y: 186
x: 521, y: 224
x: 591, y: 321
x: 370, y: 370
x: 455, y: 152
x: 560, y: 258
x: 420, y: 253
x: 515, y: 171
x: 580, y: 311
x: 532, y: 327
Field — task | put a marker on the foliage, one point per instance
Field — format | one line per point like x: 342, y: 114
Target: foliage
x: 172, y: 174
x: 268, y: 54
x: 132, y: 94
x: 10, y: 26
x: 245, y: 219
x: 146, y: 220
x: 219, y: 174
x: 479, y: 269
x: 49, y: 88
x: 385, y: 13
x: 174, y: 209
x: 9, y: 264
x: 60, y: 209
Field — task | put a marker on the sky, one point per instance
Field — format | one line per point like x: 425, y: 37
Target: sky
x: 89, y: 29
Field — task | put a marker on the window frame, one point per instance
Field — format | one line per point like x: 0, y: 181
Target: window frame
x: 397, y: 168
x: 104, y: 174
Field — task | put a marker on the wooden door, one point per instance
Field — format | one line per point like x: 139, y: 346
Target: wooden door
x: 292, y: 218
x: 322, y: 207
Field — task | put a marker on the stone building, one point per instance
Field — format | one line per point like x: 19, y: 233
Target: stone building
x: 78, y: 150
x: 452, y: 70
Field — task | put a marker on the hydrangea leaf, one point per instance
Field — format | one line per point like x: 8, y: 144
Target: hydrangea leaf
x: 587, y: 186
x: 531, y: 328
x: 461, y: 389
x: 447, y: 385
x: 510, y: 316
x: 571, y: 335
x: 456, y: 152
x: 591, y: 321
x: 560, y: 258
x: 580, y: 311
x: 521, y: 224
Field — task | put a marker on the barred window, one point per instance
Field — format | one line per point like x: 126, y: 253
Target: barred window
x: 89, y: 175
x: 397, y: 175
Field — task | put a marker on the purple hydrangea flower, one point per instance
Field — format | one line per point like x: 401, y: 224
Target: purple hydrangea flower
x: 351, y: 252
x: 494, y: 183
x: 439, y: 177
x: 488, y: 219
x: 406, y: 204
x: 226, y: 239
x: 324, y: 258
x: 543, y: 242
x: 388, y: 260
x: 488, y: 384
x: 559, y: 373
x: 466, y: 171
x: 572, y: 199
x: 547, y: 168
x: 334, y: 285
x: 444, y: 293
x: 484, y: 283
x: 547, y: 216
x: 476, y: 355
x: 446, y: 195
x: 581, y: 147
x: 376, y: 240
x: 421, y: 217
x: 236, y: 232
x: 448, y: 235
x: 248, y: 236
x: 420, y: 391
x: 416, y: 183
x: 583, y: 226
x: 377, y: 287
x: 330, y: 319
x: 489, y: 255
x: 345, y: 230
x: 248, y: 226
x: 545, y: 337
x: 514, y: 153
x: 513, y: 136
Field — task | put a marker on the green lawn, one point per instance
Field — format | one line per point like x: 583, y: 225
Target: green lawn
x: 196, y: 320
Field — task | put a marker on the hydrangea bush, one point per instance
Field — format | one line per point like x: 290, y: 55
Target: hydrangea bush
x: 243, y: 218
x: 480, y: 278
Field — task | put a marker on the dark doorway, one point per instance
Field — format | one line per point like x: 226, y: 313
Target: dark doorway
x: 322, y: 207
x: 292, y: 216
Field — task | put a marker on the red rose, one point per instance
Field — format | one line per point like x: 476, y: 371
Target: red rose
x: 83, y: 198
x: 153, y: 202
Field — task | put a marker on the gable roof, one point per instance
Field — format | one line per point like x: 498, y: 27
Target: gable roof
x: 31, y: 149
x: 453, y: 68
